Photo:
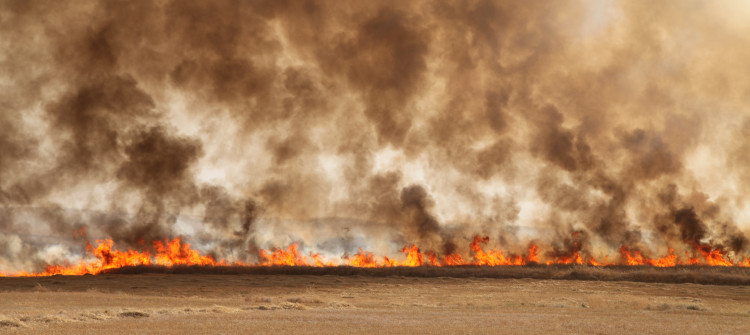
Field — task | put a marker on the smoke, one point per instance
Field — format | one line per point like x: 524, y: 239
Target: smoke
x: 252, y: 124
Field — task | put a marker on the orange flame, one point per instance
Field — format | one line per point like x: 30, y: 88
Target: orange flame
x: 702, y: 254
x: 494, y: 257
x: 168, y: 253
x: 363, y: 259
x: 290, y: 257
x: 533, y: 253
x: 177, y: 252
x: 453, y: 260
x: 413, y: 256
x: 714, y: 256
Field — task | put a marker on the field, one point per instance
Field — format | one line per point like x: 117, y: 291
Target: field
x: 554, y: 300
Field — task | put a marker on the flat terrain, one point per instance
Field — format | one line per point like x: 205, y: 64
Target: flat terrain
x: 253, y: 303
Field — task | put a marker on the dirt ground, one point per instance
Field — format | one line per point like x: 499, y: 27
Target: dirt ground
x: 232, y: 304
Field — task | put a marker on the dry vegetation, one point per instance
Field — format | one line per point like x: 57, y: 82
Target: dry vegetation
x: 398, y: 300
x: 713, y: 275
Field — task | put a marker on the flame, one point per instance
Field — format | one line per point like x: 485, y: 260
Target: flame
x: 387, y: 262
x: 319, y: 261
x: 702, y: 255
x: 533, y: 253
x: 432, y: 258
x: 168, y: 253
x: 413, y: 256
x: 290, y: 257
x: 493, y: 257
x: 177, y: 252
x: 453, y: 260
x: 593, y: 262
x: 574, y: 257
x: 363, y: 259
x: 714, y: 256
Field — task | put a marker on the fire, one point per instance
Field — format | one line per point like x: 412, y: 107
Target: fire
x: 167, y: 253
x: 493, y: 257
x: 387, y: 262
x: 574, y: 258
x: 363, y: 259
x: 533, y: 253
x: 714, y: 256
x: 177, y: 252
x: 594, y: 262
x: 290, y: 257
x: 110, y: 259
x: 702, y: 254
x: 318, y: 260
x: 413, y: 256
x: 453, y: 260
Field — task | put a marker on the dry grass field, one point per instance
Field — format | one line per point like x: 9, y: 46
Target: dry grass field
x: 309, y: 302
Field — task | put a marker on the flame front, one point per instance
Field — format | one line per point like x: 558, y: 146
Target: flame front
x: 168, y: 253
x: 177, y: 252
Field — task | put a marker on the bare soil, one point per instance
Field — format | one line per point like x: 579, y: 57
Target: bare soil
x: 167, y: 303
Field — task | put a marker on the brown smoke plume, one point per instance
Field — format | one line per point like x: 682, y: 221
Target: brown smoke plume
x: 252, y: 124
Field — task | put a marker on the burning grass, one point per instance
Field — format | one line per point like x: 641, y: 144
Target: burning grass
x: 178, y: 254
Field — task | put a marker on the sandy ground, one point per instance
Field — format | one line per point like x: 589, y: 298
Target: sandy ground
x: 233, y: 304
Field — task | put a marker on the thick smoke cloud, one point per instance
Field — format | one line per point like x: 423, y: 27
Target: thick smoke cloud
x: 251, y: 124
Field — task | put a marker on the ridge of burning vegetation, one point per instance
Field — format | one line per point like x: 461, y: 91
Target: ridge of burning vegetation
x: 176, y: 253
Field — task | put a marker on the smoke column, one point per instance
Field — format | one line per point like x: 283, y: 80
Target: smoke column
x: 251, y: 124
